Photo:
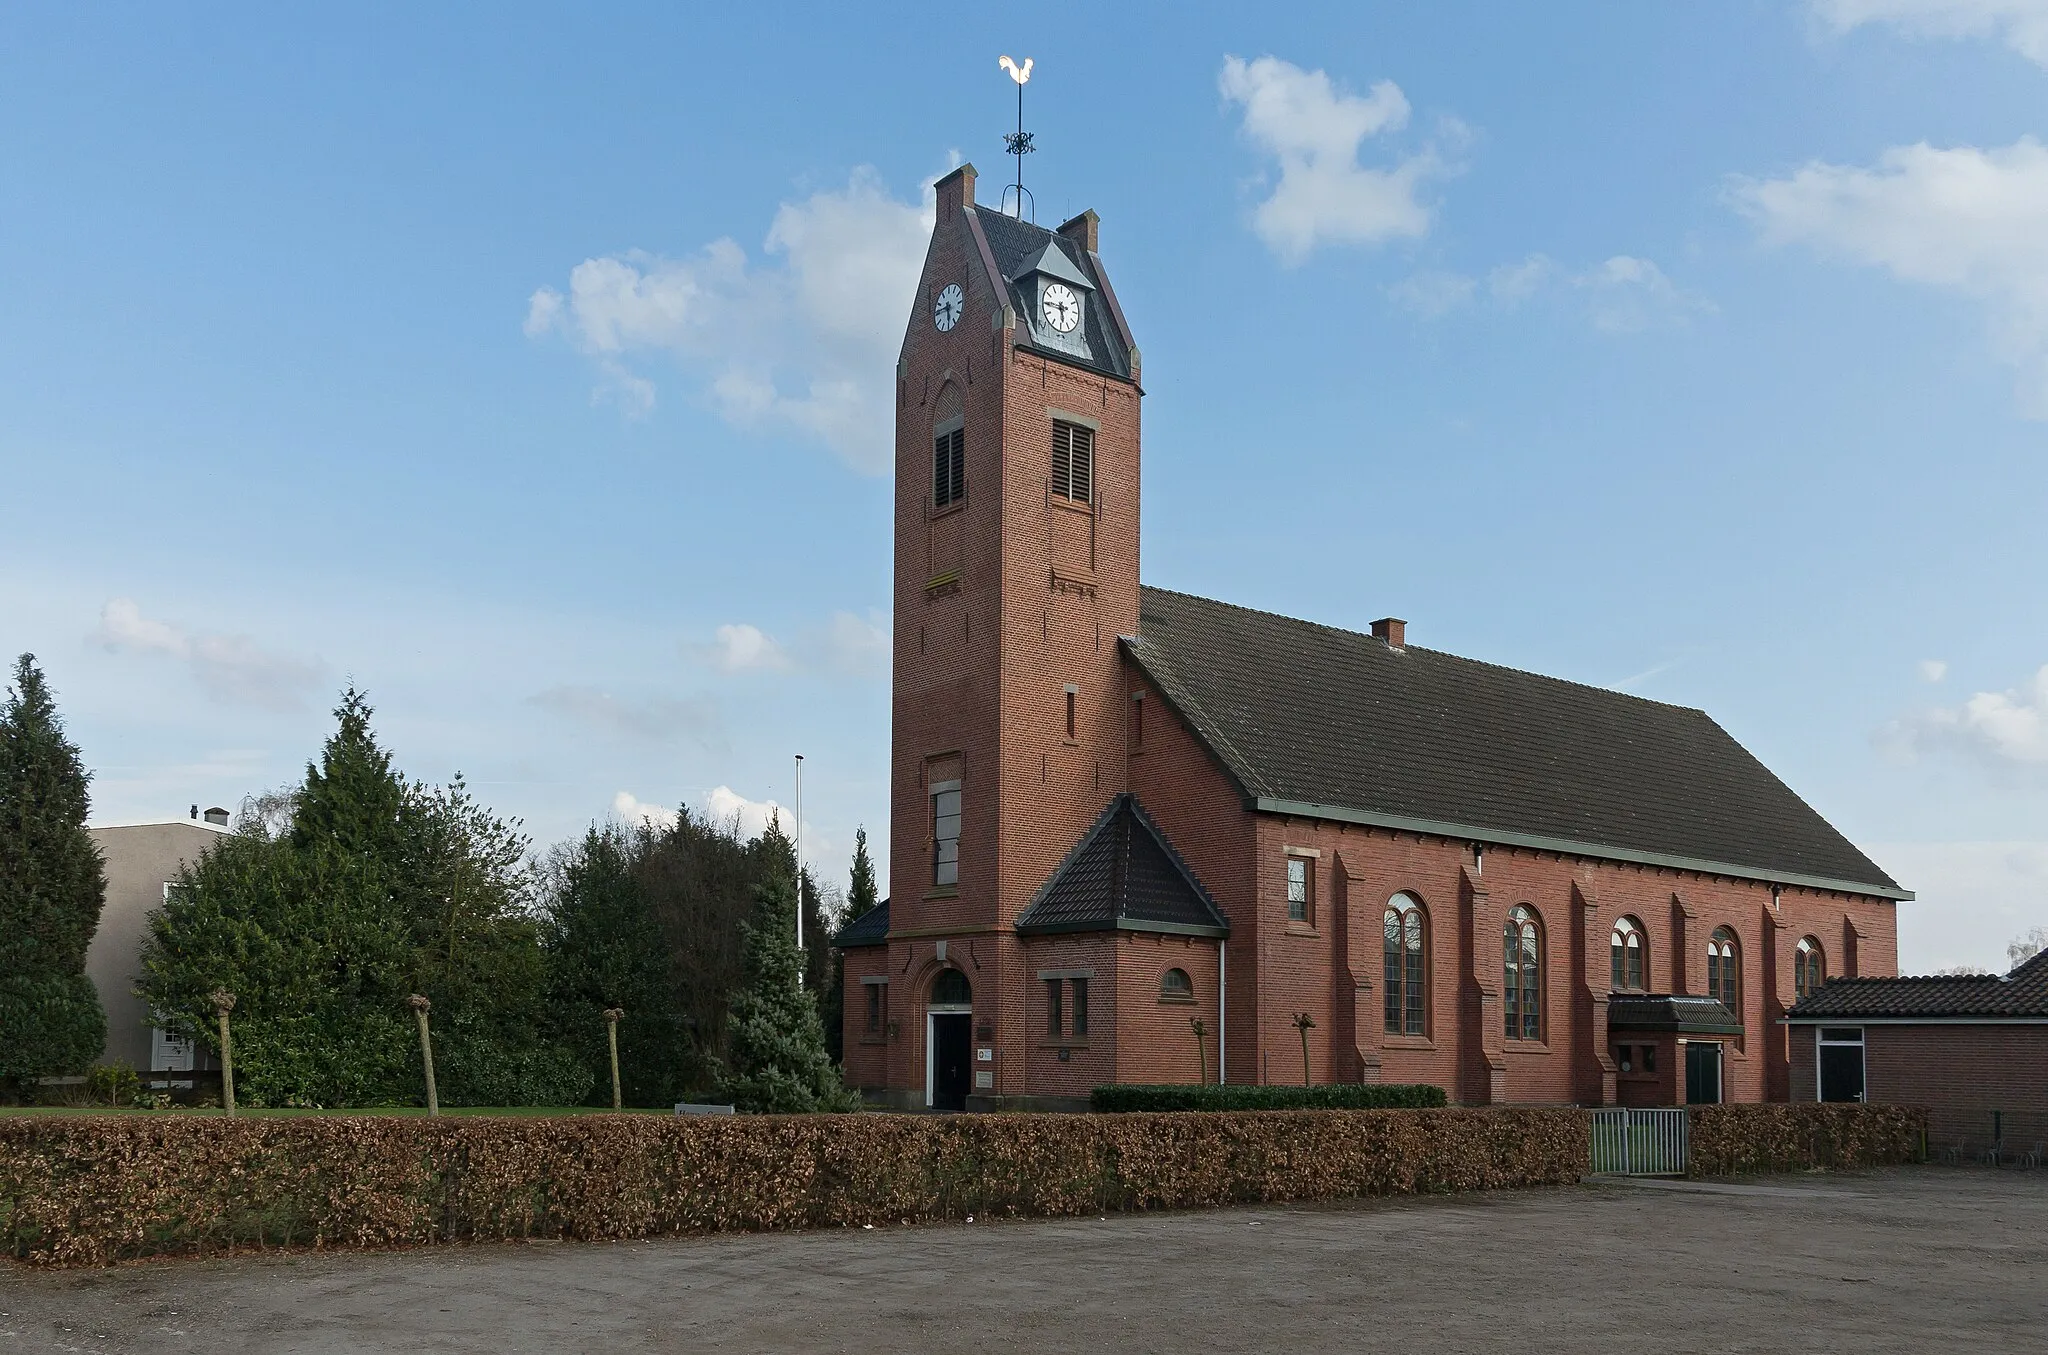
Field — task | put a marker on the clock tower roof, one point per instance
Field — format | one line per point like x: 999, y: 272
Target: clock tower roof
x: 1028, y: 256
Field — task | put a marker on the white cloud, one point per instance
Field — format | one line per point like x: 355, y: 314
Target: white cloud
x: 229, y: 668
x: 1314, y: 130
x: 656, y: 719
x: 1624, y: 294
x: 2020, y: 24
x: 1627, y: 294
x: 1513, y: 283
x: 1974, y: 899
x: 2009, y: 727
x: 1933, y: 670
x: 1433, y: 295
x: 847, y: 644
x: 803, y: 340
x: 636, y: 811
x: 1966, y: 220
x: 746, y: 649
x: 723, y: 804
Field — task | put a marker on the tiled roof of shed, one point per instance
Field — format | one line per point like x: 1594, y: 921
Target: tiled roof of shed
x: 1314, y: 720
x: 2022, y: 994
x: 1123, y: 875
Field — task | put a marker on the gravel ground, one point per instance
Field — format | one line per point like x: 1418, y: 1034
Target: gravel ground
x: 1923, y: 1259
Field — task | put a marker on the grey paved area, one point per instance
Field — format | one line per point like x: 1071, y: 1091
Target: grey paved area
x: 1931, y: 1259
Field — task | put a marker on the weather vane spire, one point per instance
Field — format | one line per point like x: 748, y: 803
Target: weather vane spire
x: 1018, y: 143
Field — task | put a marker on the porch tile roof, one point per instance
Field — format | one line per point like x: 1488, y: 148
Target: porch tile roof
x: 1123, y: 876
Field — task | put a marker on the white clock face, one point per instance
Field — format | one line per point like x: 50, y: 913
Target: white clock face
x: 946, y: 310
x: 1061, y: 308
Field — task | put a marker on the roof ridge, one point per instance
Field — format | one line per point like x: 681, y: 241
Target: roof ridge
x: 1425, y: 649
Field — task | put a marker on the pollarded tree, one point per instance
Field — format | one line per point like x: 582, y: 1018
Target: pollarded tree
x: 775, y: 1047
x: 51, y: 891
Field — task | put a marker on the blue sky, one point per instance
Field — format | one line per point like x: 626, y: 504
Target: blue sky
x: 530, y: 368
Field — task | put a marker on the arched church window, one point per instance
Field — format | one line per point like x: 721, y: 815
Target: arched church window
x: 1627, y: 949
x: 1406, y: 970
x: 1522, y: 943
x: 1809, y: 967
x: 1724, y: 970
x: 951, y: 989
x: 1175, y: 986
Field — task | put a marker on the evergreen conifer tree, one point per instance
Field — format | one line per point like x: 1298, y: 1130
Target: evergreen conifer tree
x: 775, y: 1047
x: 51, y: 892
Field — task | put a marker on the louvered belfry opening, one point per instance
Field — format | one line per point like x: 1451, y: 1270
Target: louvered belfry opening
x: 949, y: 468
x: 1073, y: 461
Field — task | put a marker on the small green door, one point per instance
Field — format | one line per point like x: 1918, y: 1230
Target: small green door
x: 1702, y: 1073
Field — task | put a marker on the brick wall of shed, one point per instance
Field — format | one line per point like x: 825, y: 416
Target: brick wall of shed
x: 1960, y: 1073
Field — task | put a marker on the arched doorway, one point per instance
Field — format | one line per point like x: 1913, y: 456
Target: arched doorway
x: 948, y: 1041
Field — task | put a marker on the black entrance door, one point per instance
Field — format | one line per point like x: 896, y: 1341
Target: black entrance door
x: 952, y: 1038
x: 1702, y: 1074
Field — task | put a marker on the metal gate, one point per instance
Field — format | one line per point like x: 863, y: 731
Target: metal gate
x: 1639, y: 1142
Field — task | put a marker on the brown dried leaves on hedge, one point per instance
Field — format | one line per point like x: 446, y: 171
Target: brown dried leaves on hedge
x: 92, y: 1190
x: 1739, y: 1140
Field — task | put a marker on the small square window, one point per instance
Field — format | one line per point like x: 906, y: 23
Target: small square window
x: 1300, y: 889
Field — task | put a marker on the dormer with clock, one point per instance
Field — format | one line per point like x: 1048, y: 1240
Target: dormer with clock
x: 1055, y: 295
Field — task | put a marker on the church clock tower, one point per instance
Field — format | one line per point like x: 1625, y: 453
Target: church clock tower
x: 1017, y: 427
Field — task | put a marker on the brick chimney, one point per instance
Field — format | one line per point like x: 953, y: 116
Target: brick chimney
x: 1082, y: 230
x: 955, y: 191
x: 1391, y: 629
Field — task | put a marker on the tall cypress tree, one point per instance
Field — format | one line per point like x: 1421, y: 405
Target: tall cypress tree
x: 51, y: 891
x: 775, y: 1049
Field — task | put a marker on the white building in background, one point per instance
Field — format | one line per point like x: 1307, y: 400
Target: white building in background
x: 142, y: 861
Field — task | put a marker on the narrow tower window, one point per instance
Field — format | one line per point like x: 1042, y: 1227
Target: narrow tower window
x: 946, y: 833
x: 949, y: 467
x: 1073, y: 462
x: 1070, y: 711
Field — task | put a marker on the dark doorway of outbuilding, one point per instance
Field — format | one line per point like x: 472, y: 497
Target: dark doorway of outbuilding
x: 1702, y: 1073
x: 1841, y: 1063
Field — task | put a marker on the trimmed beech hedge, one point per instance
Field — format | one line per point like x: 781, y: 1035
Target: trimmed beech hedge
x: 93, y: 1189
x: 1128, y: 1096
x: 1734, y: 1140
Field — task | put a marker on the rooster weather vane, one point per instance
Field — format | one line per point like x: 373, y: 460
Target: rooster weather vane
x: 1018, y: 143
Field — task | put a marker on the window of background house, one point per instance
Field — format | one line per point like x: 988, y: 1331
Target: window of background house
x: 1809, y: 967
x: 1079, y: 993
x: 1724, y: 971
x: 946, y: 833
x: 1073, y: 461
x: 1405, y: 979
x: 878, y: 1003
x: 1522, y: 960
x: 1625, y: 950
x: 1175, y: 986
x: 949, y: 467
x: 1300, y: 889
x: 1055, y: 1021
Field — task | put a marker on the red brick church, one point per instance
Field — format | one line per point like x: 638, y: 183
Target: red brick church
x: 1138, y: 836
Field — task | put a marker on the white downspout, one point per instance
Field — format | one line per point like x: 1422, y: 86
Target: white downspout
x: 1223, y: 1009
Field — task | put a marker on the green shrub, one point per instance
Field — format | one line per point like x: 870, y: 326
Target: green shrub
x: 112, y: 1084
x: 1131, y: 1096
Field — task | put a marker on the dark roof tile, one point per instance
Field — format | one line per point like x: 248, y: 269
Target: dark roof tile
x: 2022, y: 994
x: 869, y: 929
x: 1310, y: 715
x: 1123, y: 875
